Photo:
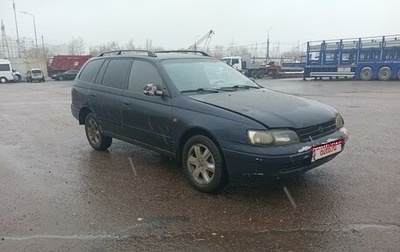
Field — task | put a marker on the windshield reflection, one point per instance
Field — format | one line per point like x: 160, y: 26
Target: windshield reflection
x: 191, y: 75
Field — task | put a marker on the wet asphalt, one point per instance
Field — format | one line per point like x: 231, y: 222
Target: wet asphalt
x: 58, y: 194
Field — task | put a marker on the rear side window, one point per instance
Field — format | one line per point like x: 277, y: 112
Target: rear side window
x: 4, y: 67
x: 116, y: 74
x: 90, y: 71
x: 143, y: 73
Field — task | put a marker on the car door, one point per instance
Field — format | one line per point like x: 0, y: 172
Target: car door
x: 147, y: 118
x: 107, y: 96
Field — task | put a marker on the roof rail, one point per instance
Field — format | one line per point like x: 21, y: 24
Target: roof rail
x: 127, y: 52
x: 184, y: 51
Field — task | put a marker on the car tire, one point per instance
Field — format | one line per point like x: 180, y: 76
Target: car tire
x: 94, y: 135
x: 366, y: 74
x: 203, y: 164
x: 60, y: 78
x: 3, y: 80
x: 17, y: 78
x: 254, y: 74
x: 384, y: 73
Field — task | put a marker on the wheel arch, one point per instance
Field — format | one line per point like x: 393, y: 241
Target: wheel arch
x: 193, y: 132
x: 83, y: 113
x: 5, y: 78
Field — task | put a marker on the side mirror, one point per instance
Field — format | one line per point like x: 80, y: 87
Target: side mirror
x: 152, y: 90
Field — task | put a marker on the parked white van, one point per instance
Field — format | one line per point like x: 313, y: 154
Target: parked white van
x: 6, y: 74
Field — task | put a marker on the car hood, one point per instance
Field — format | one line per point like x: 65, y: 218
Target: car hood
x: 271, y: 108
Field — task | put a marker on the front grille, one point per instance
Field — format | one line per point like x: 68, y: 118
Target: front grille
x: 316, y: 131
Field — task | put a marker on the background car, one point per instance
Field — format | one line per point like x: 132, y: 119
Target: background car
x: 17, y: 75
x: 34, y: 74
x: 67, y: 75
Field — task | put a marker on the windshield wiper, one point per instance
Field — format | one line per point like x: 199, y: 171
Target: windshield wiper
x: 239, y: 86
x: 209, y: 90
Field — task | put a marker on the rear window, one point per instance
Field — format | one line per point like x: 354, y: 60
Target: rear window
x: 36, y: 71
x: 91, y: 70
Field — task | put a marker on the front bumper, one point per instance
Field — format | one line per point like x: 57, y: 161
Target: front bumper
x: 275, y: 162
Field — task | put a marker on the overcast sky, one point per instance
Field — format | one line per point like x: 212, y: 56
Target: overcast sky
x: 176, y: 24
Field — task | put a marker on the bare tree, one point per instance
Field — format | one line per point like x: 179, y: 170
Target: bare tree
x: 76, y: 46
x: 149, y: 44
x: 110, y: 46
x: 94, y: 50
x: 294, y: 53
x: 218, y: 52
x: 30, y: 53
x: 130, y: 45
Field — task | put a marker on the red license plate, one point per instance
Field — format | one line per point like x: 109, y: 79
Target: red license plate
x: 326, y: 150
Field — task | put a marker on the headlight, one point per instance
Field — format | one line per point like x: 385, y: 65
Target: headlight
x: 272, y: 137
x: 339, y: 121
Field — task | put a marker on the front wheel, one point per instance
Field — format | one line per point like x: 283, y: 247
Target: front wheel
x: 3, y: 80
x: 203, y: 164
x: 96, y: 139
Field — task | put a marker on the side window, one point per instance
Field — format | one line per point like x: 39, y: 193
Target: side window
x: 90, y: 71
x: 143, y: 73
x: 100, y: 75
x: 116, y: 73
x: 4, y: 67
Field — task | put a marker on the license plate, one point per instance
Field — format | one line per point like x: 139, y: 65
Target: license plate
x: 326, y: 150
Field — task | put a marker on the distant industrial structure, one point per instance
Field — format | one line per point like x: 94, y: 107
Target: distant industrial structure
x: 9, y: 46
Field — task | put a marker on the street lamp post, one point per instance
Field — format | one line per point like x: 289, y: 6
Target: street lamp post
x: 268, y: 43
x: 34, y: 28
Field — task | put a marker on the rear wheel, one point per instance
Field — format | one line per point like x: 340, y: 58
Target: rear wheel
x: 366, y: 74
x: 253, y: 74
x: 203, y: 164
x: 17, y: 78
x: 384, y: 73
x: 96, y: 139
x: 260, y: 74
x: 3, y: 80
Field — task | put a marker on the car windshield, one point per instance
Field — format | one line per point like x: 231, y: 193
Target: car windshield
x: 204, y: 75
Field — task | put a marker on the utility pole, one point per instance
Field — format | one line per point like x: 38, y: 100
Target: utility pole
x: 268, y: 43
x: 44, y: 54
x: 16, y: 27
